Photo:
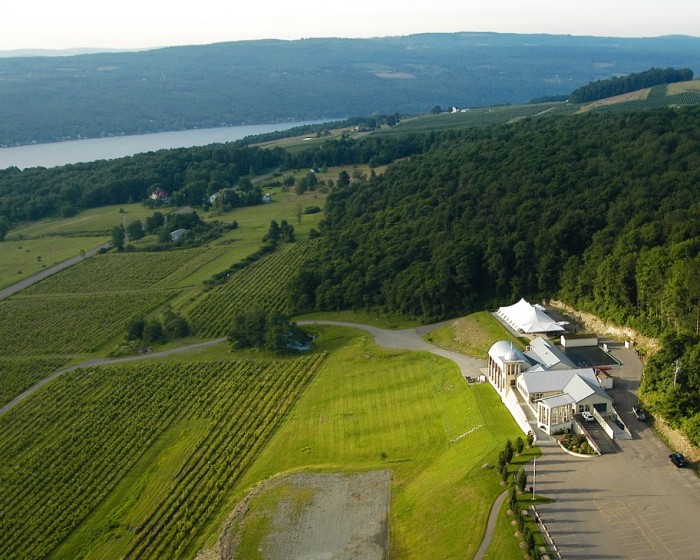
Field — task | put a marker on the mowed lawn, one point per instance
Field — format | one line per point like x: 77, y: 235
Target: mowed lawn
x: 370, y: 408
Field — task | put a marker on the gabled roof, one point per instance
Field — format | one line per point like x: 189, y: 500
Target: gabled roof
x: 528, y: 318
x: 553, y: 380
x: 556, y: 402
x: 580, y: 388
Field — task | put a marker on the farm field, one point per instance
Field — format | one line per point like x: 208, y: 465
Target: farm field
x: 137, y: 458
x: 17, y: 375
x: 89, y: 222
x: 23, y: 258
x: 372, y: 409
x: 118, y: 272
x: 69, y: 324
x: 260, y: 285
x: 481, y: 116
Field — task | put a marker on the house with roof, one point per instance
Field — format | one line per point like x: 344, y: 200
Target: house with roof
x: 547, y: 382
x: 159, y: 195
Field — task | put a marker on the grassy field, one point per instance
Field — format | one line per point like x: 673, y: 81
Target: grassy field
x: 21, y: 259
x: 473, y: 335
x: 370, y: 408
x: 89, y: 222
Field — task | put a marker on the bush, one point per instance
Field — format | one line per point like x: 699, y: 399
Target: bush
x: 312, y: 210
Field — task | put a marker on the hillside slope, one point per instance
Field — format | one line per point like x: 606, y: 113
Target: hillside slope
x: 51, y: 98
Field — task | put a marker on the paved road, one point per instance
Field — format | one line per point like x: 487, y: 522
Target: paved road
x: 411, y: 339
x: 108, y: 361
x: 34, y: 278
x: 631, y: 504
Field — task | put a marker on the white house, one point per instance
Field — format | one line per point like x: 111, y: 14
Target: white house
x: 547, y: 381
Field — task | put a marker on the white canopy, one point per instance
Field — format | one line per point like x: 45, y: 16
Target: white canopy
x: 528, y: 318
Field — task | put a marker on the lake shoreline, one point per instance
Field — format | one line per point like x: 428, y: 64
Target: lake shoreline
x: 54, y: 154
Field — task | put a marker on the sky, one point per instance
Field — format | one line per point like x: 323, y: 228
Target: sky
x: 138, y: 24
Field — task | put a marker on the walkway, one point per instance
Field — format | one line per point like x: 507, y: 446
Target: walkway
x: 491, y: 526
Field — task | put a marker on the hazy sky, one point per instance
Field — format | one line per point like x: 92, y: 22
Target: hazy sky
x: 57, y: 24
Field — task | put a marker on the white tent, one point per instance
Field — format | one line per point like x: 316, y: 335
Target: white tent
x: 528, y: 318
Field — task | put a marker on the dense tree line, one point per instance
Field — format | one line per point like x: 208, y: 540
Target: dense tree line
x: 631, y: 82
x: 189, y: 175
x: 600, y: 210
x: 372, y: 150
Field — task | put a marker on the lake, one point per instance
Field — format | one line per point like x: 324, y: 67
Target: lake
x: 77, y: 151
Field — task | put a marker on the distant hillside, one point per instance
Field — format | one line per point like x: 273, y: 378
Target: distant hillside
x: 51, y: 98
x: 620, y: 85
x: 663, y: 95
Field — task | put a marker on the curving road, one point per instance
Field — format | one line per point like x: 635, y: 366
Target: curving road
x: 411, y: 339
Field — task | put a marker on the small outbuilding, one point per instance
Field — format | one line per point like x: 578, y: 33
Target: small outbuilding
x: 178, y: 234
x: 579, y: 340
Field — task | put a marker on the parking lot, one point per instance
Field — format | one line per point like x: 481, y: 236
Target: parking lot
x: 629, y: 504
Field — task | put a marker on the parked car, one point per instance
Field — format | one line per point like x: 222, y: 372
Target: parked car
x: 587, y: 416
x: 639, y: 413
x: 678, y: 459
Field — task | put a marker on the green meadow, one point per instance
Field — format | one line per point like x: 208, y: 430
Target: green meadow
x: 370, y: 408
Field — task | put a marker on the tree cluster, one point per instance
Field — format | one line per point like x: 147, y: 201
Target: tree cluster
x: 170, y: 326
x: 266, y: 330
x: 162, y: 225
x: 631, y: 82
x: 189, y: 175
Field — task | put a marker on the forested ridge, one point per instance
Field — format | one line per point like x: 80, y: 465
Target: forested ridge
x: 602, y: 211
x: 618, y: 85
x: 45, y: 99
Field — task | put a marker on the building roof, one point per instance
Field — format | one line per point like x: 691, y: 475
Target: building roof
x: 504, y: 351
x: 557, y: 401
x: 523, y: 316
x: 547, y: 354
x: 580, y: 388
x: 554, y: 380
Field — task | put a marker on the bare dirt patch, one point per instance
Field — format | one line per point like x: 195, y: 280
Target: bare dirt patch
x: 311, y: 515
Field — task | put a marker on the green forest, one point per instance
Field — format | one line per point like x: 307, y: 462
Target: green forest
x: 601, y: 211
x: 631, y: 82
